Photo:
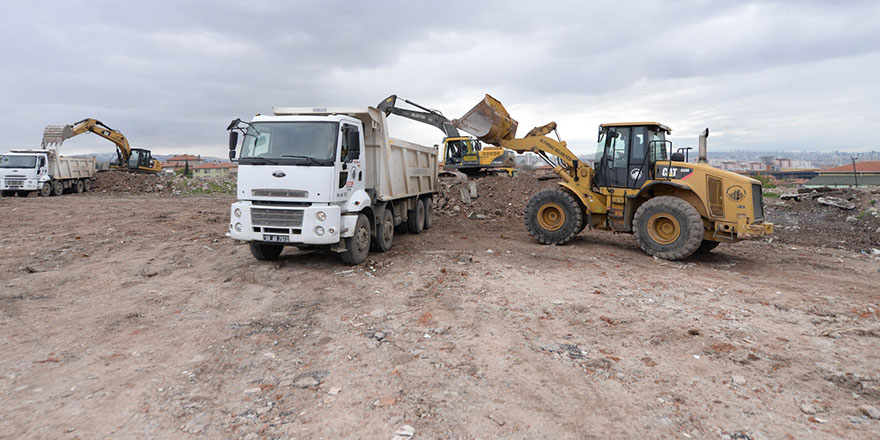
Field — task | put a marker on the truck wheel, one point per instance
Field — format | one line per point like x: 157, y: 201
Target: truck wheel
x: 87, y: 185
x: 429, y: 213
x: 706, y: 246
x: 23, y: 193
x: 265, y: 251
x: 415, y: 219
x: 384, y: 232
x: 7, y: 193
x: 357, y: 247
x: 57, y: 188
x: 553, y: 216
x: 46, y: 189
x: 668, y: 227
x: 78, y: 187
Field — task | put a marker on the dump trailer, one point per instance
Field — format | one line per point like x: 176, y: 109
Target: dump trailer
x: 327, y: 177
x: 44, y: 172
x: 639, y: 185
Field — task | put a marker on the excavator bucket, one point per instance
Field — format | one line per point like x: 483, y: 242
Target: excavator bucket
x: 488, y: 121
x: 56, y: 134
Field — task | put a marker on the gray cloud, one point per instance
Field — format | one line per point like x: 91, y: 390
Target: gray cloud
x: 762, y: 75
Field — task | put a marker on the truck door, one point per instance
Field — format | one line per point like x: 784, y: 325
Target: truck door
x: 350, y: 165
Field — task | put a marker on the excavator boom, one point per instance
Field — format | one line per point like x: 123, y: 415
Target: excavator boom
x: 428, y: 116
x: 56, y: 134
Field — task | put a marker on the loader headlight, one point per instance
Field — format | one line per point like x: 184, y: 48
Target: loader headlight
x: 319, y: 231
x: 321, y: 216
x: 238, y: 227
x: 237, y: 212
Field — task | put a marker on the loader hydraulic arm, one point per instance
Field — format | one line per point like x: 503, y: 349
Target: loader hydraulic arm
x: 428, y: 116
x: 537, y: 141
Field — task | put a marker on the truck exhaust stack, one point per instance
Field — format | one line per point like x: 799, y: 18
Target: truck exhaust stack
x: 703, y: 158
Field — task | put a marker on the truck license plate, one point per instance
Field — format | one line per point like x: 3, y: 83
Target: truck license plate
x: 276, y: 238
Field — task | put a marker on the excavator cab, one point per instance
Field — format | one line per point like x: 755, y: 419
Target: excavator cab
x: 462, y: 151
x: 627, y: 152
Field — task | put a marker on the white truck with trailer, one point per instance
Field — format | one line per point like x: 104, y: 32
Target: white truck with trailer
x: 45, y: 172
x: 328, y: 177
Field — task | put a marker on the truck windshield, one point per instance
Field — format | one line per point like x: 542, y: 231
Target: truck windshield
x: 294, y: 143
x: 18, y: 162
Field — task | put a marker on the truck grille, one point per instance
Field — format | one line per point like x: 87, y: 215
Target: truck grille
x: 279, y: 193
x: 758, y: 202
x: 277, y: 217
x: 14, y: 182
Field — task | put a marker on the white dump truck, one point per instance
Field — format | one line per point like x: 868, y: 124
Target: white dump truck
x: 45, y: 172
x: 328, y: 177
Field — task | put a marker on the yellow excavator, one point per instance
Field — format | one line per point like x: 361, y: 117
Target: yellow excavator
x: 638, y: 185
x: 460, y: 153
x: 128, y: 159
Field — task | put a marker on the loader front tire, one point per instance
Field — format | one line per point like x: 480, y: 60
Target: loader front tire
x: 357, y: 247
x: 265, y: 251
x: 553, y: 216
x: 668, y: 227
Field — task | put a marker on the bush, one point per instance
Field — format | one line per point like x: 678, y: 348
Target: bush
x: 771, y: 195
x: 766, y: 181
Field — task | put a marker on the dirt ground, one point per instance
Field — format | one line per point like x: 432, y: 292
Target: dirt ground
x: 132, y: 316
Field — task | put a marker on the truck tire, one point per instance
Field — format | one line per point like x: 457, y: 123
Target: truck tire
x: 668, y: 227
x: 87, y: 185
x: 78, y: 186
x: 57, y: 188
x: 415, y: 219
x: 23, y: 193
x: 7, y: 193
x: 384, y: 232
x: 429, y: 212
x: 553, y: 216
x: 357, y: 247
x: 266, y: 251
x: 706, y: 246
x: 45, y: 189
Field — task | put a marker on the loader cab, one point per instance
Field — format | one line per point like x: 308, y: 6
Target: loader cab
x: 626, y: 153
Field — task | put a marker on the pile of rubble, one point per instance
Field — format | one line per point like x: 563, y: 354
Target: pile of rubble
x: 832, y: 217
x: 489, y: 197
x: 123, y: 182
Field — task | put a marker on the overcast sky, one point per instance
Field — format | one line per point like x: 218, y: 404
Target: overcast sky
x: 768, y: 75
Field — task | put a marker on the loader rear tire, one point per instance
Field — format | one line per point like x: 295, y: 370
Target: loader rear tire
x: 553, y: 216
x: 357, y: 247
x: 384, y: 232
x: 668, y: 227
x: 706, y: 246
x: 415, y: 219
x: 265, y: 251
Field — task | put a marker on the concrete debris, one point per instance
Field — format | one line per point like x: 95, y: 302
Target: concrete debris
x: 808, y: 409
x: 836, y: 202
x: 738, y: 380
x: 870, y: 411
x: 405, y: 432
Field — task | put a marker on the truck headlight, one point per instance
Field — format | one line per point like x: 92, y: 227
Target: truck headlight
x: 237, y: 212
x: 238, y: 227
x: 321, y: 216
x: 331, y: 231
x: 319, y: 231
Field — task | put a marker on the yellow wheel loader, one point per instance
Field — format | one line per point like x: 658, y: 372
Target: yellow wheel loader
x: 461, y: 153
x: 127, y: 158
x: 638, y: 185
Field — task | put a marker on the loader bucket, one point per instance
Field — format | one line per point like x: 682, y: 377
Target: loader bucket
x: 56, y: 134
x: 488, y: 121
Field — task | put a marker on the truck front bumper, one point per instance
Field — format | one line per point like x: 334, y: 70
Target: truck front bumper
x: 19, y: 184
x: 285, y: 224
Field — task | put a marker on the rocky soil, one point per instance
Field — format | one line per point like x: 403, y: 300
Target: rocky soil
x: 132, y: 316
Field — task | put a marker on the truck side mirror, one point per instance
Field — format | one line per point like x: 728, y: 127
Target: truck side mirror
x: 233, y: 142
x: 42, y: 162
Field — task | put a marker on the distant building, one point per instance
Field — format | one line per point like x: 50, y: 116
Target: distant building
x: 178, y: 162
x: 214, y: 169
x: 866, y: 173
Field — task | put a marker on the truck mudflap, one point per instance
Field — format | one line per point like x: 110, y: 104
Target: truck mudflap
x: 316, y: 224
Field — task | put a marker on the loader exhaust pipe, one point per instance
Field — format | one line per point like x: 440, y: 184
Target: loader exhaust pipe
x: 703, y: 158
